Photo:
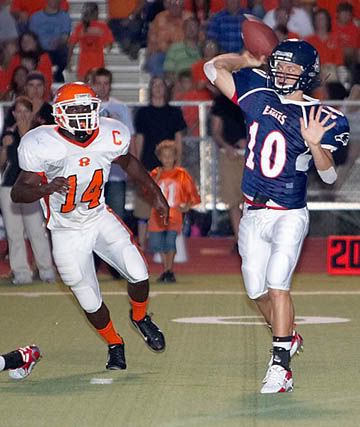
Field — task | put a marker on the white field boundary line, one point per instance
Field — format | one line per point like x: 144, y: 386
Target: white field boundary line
x: 34, y: 294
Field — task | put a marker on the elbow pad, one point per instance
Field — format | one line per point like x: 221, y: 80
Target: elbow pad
x: 329, y: 175
x: 210, y: 71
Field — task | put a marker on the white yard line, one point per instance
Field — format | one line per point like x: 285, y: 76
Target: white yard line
x: 35, y: 294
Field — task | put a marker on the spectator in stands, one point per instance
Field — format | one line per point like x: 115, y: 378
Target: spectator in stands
x: 229, y: 133
x: 53, y: 26
x: 8, y: 30
x: 347, y: 32
x: 209, y: 50
x: 282, y: 21
x: 4, y: 79
x: 23, y: 9
x: 17, y: 83
x: 18, y: 217
x: 299, y: 21
x: 155, y: 123
x: 181, y: 194
x: 35, y: 91
x: 186, y: 91
x: 115, y: 188
x: 200, y: 9
x: 326, y: 43
x: 331, y: 7
x: 29, y: 44
x: 225, y: 27
x: 182, y: 55
x: 93, y: 36
x: 126, y: 23
x: 166, y: 28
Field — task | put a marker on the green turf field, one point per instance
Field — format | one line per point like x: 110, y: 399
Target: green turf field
x: 210, y: 374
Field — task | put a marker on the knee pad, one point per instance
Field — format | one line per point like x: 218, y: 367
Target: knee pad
x: 70, y: 272
x: 134, y: 264
x: 88, y: 299
x: 278, y: 271
x: 254, y: 283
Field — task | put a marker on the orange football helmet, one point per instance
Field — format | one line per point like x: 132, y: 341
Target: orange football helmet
x: 82, y: 98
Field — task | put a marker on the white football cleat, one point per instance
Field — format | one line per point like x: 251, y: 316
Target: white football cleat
x: 30, y: 355
x: 297, y: 345
x: 279, y: 380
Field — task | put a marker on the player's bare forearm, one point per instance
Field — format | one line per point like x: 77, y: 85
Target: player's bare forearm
x: 323, y: 159
x: 29, y: 188
x: 148, y: 187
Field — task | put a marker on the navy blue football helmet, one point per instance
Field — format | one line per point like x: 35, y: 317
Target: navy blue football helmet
x: 297, y: 52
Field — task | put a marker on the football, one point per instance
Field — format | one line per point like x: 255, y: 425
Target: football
x: 259, y: 39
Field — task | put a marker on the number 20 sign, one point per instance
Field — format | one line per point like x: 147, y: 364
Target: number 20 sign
x: 343, y: 255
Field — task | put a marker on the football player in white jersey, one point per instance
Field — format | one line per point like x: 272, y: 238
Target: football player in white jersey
x: 66, y: 166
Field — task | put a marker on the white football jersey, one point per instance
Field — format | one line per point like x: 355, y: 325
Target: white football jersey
x: 86, y: 166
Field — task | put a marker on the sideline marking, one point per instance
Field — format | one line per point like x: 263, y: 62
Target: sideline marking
x: 34, y: 294
x: 256, y: 320
x: 101, y: 381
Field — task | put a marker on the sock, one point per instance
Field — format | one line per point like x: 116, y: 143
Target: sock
x: 2, y: 363
x: 13, y: 360
x: 138, y: 309
x: 281, y: 351
x: 110, y: 335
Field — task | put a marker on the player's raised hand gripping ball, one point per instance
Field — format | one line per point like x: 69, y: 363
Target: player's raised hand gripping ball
x: 259, y: 39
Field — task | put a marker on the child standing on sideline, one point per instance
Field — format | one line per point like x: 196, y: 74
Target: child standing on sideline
x: 181, y: 194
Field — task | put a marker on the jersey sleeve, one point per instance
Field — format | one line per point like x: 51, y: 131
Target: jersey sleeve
x: 246, y: 80
x: 337, y: 137
x: 31, y: 156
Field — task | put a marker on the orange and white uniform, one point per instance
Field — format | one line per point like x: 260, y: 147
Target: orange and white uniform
x: 178, y: 188
x: 79, y: 221
x: 86, y: 165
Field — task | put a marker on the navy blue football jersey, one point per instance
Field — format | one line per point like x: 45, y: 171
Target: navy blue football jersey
x: 277, y: 157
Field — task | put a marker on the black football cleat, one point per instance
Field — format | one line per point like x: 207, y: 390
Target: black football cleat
x: 150, y: 332
x: 116, y: 357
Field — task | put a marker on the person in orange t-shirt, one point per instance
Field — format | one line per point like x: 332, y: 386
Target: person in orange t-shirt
x: 181, y: 194
x: 209, y: 50
x: 29, y: 44
x: 185, y: 91
x: 348, y: 33
x: 93, y: 36
x: 326, y: 43
x: 165, y: 29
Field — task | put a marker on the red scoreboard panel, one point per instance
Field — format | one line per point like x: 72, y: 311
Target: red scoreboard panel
x: 343, y: 255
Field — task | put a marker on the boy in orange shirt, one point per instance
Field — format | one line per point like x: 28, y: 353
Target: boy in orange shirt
x: 181, y: 194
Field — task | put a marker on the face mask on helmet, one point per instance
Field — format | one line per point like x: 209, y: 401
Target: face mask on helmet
x: 78, y: 114
x: 293, y: 65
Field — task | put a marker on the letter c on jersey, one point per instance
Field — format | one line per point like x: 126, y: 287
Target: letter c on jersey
x: 116, y: 137
x: 84, y: 161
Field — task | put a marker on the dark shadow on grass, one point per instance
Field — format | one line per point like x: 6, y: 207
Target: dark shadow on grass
x: 71, y: 384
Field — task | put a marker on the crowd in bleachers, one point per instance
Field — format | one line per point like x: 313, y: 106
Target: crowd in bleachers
x: 39, y: 35
x: 38, y: 40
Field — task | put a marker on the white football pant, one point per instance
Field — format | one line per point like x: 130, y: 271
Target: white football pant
x: 270, y: 243
x: 110, y: 239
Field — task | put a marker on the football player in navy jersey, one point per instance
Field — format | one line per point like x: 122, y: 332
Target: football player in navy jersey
x: 288, y: 132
